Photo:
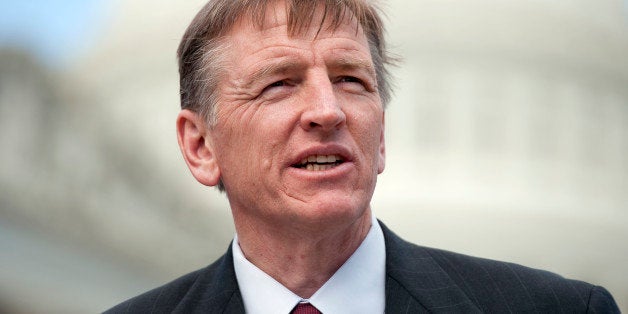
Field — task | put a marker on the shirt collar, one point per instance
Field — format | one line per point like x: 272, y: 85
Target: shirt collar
x: 357, y: 287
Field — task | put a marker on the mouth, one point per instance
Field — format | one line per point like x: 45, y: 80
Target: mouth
x: 319, y: 162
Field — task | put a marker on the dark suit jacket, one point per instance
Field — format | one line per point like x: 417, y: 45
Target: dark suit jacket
x: 418, y: 280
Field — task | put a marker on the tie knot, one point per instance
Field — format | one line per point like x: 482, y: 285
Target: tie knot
x: 305, y: 308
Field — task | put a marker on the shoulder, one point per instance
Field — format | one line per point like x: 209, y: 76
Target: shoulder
x: 491, y: 284
x: 211, y: 286
x: 165, y: 297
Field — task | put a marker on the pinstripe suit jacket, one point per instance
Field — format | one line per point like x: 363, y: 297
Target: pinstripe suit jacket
x: 418, y: 280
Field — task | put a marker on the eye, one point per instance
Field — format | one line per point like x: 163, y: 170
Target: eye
x: 276, y: 90
x: 273, y: 86
x: 352, y: 84
x: 349, y: 79
x: 276, y: 84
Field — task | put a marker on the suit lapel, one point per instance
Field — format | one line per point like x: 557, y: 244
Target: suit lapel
x: 235, y: 305
x: 415, y: 283
x: 215, y: 291
x: 399, y: 300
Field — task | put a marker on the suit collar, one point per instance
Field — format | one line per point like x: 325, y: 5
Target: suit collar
x: 416, y: 283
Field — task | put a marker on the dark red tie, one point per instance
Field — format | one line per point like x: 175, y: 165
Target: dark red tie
x: 305, y: 308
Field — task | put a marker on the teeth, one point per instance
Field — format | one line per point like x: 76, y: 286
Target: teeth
x: 320, y: 162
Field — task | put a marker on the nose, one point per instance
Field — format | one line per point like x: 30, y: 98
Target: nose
x: 323, y: 111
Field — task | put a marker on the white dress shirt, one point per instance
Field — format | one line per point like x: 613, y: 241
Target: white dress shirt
x: 357, y: 287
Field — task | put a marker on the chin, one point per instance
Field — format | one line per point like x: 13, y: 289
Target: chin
x: 335, y: 209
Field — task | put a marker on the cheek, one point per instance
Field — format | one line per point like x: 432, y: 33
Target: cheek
x: 263, y: 140
x: 369, y: 125
x: 369, y: 137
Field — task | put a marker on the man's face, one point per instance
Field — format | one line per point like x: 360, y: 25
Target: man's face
x: 300, y: 126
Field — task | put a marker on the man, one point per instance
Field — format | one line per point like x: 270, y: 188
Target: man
x: 283, y: 109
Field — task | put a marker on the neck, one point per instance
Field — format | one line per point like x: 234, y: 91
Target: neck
x: 302, y: 259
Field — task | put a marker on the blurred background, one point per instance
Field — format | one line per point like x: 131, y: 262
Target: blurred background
x: 507, y: 139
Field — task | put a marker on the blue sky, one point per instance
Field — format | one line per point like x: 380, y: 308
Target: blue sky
x: 53, y: 30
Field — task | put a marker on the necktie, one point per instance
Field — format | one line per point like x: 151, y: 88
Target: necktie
x: 305, y: 308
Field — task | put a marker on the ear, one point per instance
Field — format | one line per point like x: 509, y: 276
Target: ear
x: 382, y: 148
x: 197, y: 148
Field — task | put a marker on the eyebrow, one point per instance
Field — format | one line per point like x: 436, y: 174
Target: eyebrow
x: 286, y: 65
x: 352, y: 64
x: 271, y: 69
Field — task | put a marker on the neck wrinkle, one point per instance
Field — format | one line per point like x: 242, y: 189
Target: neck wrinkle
x: 302, y: 263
